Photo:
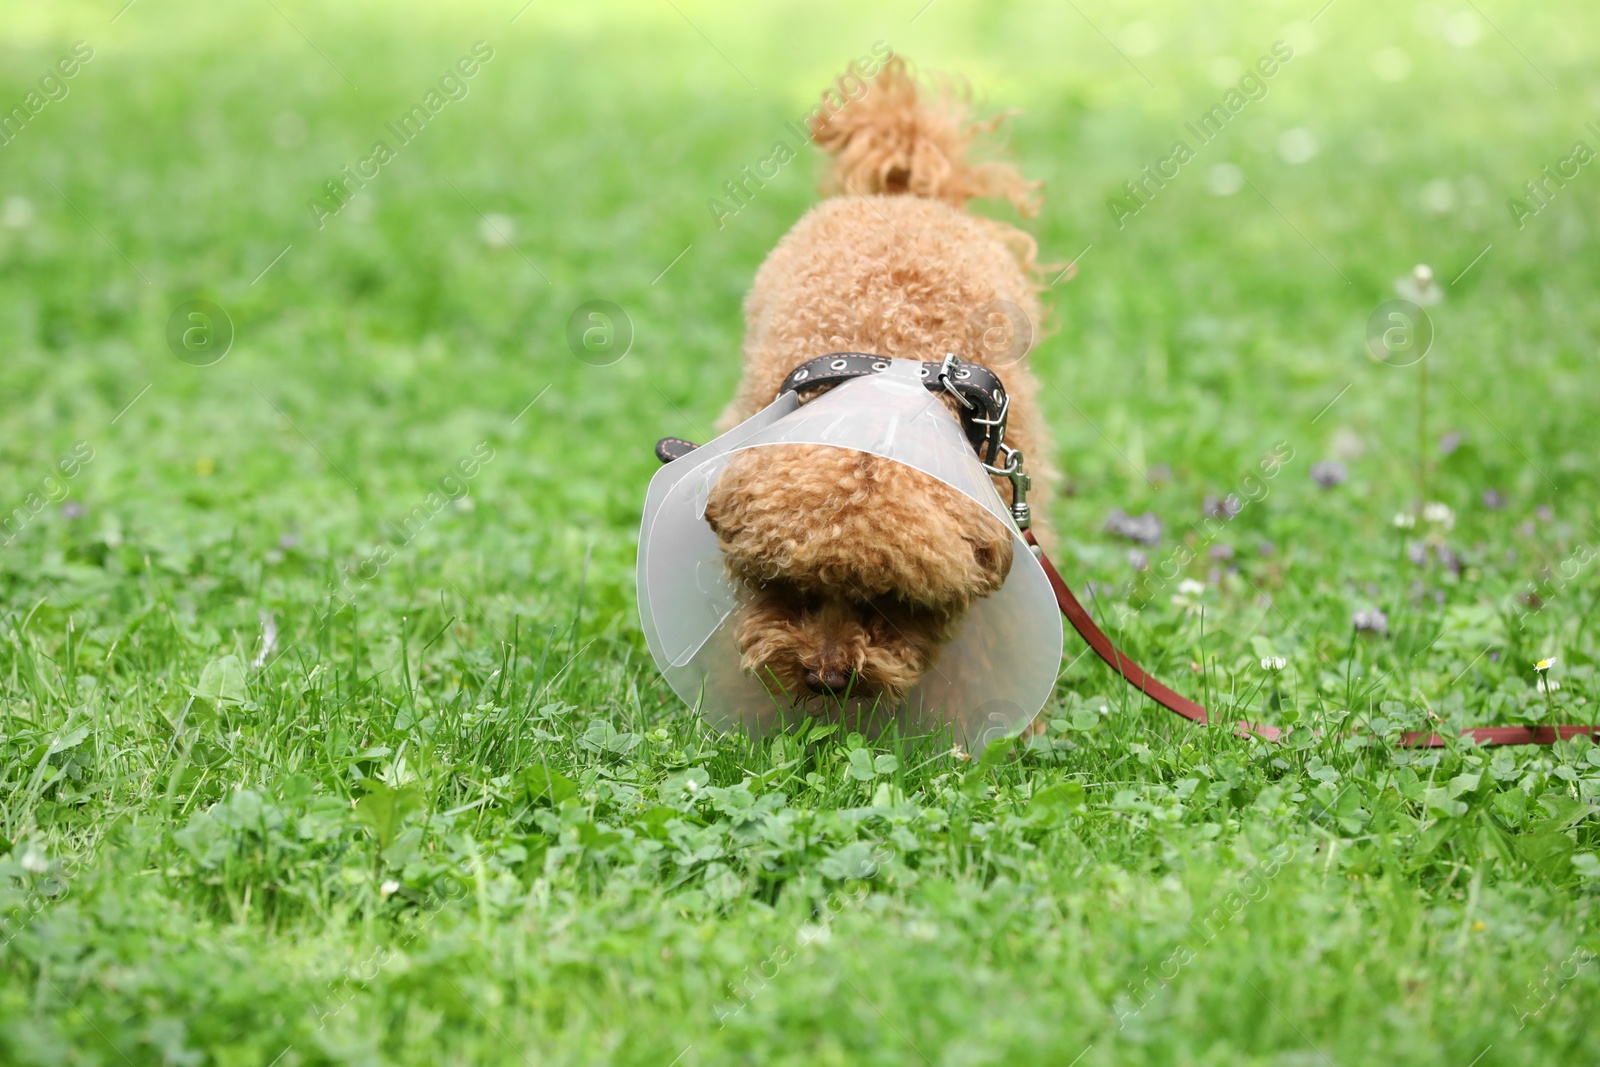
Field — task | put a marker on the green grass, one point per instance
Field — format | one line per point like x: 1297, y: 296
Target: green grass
x: 455, y: 816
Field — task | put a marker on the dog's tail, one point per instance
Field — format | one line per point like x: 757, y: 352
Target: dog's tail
x: 889, y: 135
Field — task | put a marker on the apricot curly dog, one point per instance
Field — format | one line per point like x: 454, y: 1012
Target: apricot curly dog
x: 856, y: 570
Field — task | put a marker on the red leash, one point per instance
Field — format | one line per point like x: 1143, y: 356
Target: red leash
x: 1176, y: 702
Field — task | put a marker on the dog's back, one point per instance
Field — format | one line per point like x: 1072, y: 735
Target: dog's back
x: 891, y: 264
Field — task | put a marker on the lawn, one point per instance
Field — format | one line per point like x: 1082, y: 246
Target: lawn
x: 327, y: 731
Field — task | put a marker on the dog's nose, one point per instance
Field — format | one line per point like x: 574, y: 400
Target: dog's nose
x: 830, y: 680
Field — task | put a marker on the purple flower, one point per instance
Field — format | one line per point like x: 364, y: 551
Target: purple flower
x: 1221, y: 551
x: 1329, y: 473
x: 1449, y: 442
x: 288, y: 541
x: 1371, y: 621
x: 1493, y: 500
x: 1223, y: 508
x: 1266, y: 548
x: 72, y: 510
x: 1417, y: 553
x: 1158, y: 473
x: 1141, y: 529
x: 1544, y: 512
x: 1138, y: 560
x: 1447, y: 557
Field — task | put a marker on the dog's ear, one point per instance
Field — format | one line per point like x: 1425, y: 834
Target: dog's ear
x: 992, y: 551
x: 727, y: 505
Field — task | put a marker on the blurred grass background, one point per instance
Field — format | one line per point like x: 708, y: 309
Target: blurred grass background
x: 1220, y: 320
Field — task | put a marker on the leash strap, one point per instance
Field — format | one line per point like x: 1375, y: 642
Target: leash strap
x: 1135, y: 676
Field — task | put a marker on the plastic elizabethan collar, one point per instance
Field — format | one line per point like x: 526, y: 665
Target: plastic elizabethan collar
x: 989, y: 682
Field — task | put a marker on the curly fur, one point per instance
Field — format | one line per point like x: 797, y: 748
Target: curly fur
x: 896, y: 140
x: 857, y: 570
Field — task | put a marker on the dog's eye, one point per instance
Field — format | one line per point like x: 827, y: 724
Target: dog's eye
x: 888, y: 607
x: 797, y: 598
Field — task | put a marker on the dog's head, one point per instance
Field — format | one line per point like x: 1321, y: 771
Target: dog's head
x: 854, y: 570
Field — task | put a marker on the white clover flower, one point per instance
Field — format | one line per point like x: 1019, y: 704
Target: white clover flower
x: 1404, y: 520
x: 388, y: 888
x: 1439, y: 514
x: 811, y: 934
x: 1188, y: 595
x: 1273, y: 663
x: 1224, y: 179
x: 1438, y: 197
x: 34, y: 862
x: 16, y: 213
x: 1297, y: 145
x: 1419, y: 286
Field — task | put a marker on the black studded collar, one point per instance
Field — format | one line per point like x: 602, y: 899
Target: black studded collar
x: 984, y: 403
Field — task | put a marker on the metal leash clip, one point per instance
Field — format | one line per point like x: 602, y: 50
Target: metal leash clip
x: 1021, y: 513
